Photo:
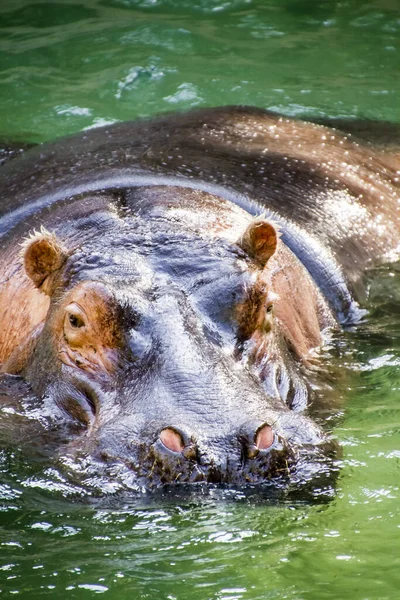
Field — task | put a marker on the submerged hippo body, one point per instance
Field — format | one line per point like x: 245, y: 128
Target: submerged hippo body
x: 176, y: 278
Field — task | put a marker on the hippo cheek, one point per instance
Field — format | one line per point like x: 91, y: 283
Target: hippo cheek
x: 77, y: 401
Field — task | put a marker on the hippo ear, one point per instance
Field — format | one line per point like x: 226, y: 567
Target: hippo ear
x: 259, y: 241
x: 43, y: 255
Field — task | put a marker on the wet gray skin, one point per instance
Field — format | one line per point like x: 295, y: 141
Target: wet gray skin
x: 188, y: 386
x: 182, y: 364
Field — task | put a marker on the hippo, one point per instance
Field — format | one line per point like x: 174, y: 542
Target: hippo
x: 167, y: 285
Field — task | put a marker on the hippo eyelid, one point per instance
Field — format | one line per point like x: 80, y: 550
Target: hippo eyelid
x: 270, y: 300
x: 76, y: 316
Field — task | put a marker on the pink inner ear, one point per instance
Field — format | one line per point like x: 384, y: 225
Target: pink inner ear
x: 172, y: 440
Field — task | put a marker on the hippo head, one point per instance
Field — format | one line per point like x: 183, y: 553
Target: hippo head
x: 176, y: 340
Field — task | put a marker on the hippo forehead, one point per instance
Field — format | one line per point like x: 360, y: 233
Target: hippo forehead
x: 137, y: 254
x: 163, y: 244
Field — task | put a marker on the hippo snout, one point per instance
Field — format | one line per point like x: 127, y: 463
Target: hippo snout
x: 178, y: 442
x: 252, y: 452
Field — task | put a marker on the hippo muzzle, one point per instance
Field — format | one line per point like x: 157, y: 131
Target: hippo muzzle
x: 231, y: 438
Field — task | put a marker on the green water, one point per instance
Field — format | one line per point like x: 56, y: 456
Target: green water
x: 69, y: 65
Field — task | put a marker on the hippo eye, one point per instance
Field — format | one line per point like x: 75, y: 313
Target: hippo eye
x: 75, y: 321
x: 270, y: 308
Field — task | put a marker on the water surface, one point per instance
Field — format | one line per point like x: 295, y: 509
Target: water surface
x: 69, y: 65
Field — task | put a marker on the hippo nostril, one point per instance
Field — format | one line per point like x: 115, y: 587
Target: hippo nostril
x: 190, y: 452
x: 252, y: 451
x: 172, y: 440
x: 177, y: 442
x: 264, y: 437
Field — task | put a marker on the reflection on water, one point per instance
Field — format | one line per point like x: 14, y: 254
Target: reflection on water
x: 66, y: 66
